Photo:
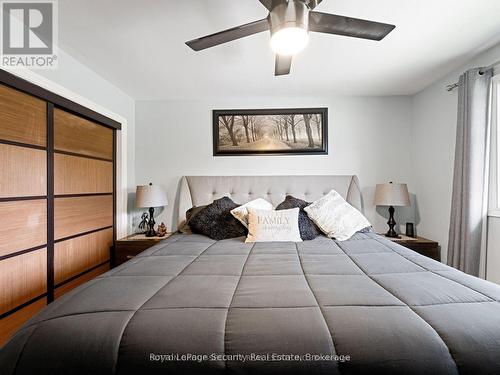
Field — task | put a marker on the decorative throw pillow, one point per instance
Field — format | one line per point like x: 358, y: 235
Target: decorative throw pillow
x: 184, y: 227
x: 271, y: 225
x: 308, y: 230
x: 335, y: 217
x: 216, y: 221
x: 241, y: 212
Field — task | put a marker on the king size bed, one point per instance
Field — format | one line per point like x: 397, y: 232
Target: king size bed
x: 193, y: 305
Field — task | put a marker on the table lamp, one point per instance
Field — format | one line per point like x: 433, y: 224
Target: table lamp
x: 391, y: 195
x: 150, y: 196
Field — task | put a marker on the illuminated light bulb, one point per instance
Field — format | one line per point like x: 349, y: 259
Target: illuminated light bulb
x: 289, y: 40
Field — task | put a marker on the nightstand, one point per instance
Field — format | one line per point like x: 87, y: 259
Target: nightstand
x: 128, y: 247
x: 421, y: 245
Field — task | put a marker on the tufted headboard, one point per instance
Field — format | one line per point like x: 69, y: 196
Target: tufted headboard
x: 201, y: 190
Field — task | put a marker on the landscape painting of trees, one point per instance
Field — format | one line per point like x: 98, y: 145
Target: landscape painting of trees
x: 270, y: 131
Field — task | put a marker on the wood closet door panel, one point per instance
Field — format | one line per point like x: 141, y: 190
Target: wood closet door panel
x: 80, y: 175
x: 23, y: 225
x: 23, y: 117
x: 23, y: 278
x: 78, y: 135
x: 67, y: 287
x: 81, y: 214
x: 23, y: 171
x: 11, y: 323
x: 79, y: 254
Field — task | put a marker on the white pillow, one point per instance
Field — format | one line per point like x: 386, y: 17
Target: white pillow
x: 241, y: 212
x: 271, y: 225
x: 335, y: 217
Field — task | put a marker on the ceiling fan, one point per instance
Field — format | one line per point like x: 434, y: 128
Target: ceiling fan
x: 290, y: 22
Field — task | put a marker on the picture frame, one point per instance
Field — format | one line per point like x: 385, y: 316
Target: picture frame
x: 284, y: 131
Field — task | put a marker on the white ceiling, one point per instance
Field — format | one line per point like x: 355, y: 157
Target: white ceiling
x: 139, y: 47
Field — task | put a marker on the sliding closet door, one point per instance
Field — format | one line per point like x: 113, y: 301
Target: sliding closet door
x: 57, y: 198
x: 83, y: 199
x: 23, y: 206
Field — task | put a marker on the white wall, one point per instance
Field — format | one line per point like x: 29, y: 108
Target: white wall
x: 433, y: 149
x: 369, y: 137
x: 79, y: 83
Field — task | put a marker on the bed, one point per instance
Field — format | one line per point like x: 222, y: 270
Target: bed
x: 191, y: 305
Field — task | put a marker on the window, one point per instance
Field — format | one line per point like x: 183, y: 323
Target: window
x: 492, y: 256
x: 494, y: 196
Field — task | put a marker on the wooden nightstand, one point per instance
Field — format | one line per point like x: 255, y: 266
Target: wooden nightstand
x: 128, y: 247
x: 421, y: 245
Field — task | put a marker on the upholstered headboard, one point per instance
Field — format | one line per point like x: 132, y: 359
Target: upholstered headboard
x: 201, y: 190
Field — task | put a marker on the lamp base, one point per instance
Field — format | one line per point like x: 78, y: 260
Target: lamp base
x: 392, y: 223
x: 151, y: 223
x: 150, y: 233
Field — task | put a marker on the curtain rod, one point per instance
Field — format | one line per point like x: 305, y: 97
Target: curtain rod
x: 453, y: 86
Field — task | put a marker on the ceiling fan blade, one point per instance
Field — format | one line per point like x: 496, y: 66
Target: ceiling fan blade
x: 313, y: 3
x: 229, y: 35
x: 347, y: 26
x: 282, y: 65
x: 268, y: 4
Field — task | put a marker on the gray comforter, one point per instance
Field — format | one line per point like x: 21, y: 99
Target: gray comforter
x: 365, y: 305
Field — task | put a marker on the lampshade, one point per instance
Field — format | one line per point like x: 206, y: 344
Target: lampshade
x: 391, y: 195
x: 150, y: 196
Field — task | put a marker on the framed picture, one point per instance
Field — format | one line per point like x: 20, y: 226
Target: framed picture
x: 270, y: 131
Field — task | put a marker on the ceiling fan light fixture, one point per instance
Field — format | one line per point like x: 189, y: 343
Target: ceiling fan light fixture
x: 289, y: 24
x: 289, y: 40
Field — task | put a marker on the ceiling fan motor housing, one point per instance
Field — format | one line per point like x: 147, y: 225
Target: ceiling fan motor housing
x: 293, y: 13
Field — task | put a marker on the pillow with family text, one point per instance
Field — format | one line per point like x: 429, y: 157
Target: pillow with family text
x: 241, y: 212
x: 271, y: 225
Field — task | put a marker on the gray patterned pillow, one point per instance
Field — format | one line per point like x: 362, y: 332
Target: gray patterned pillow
x: 308, y: 230
x: 215, y: 221
x: 184, y: 227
